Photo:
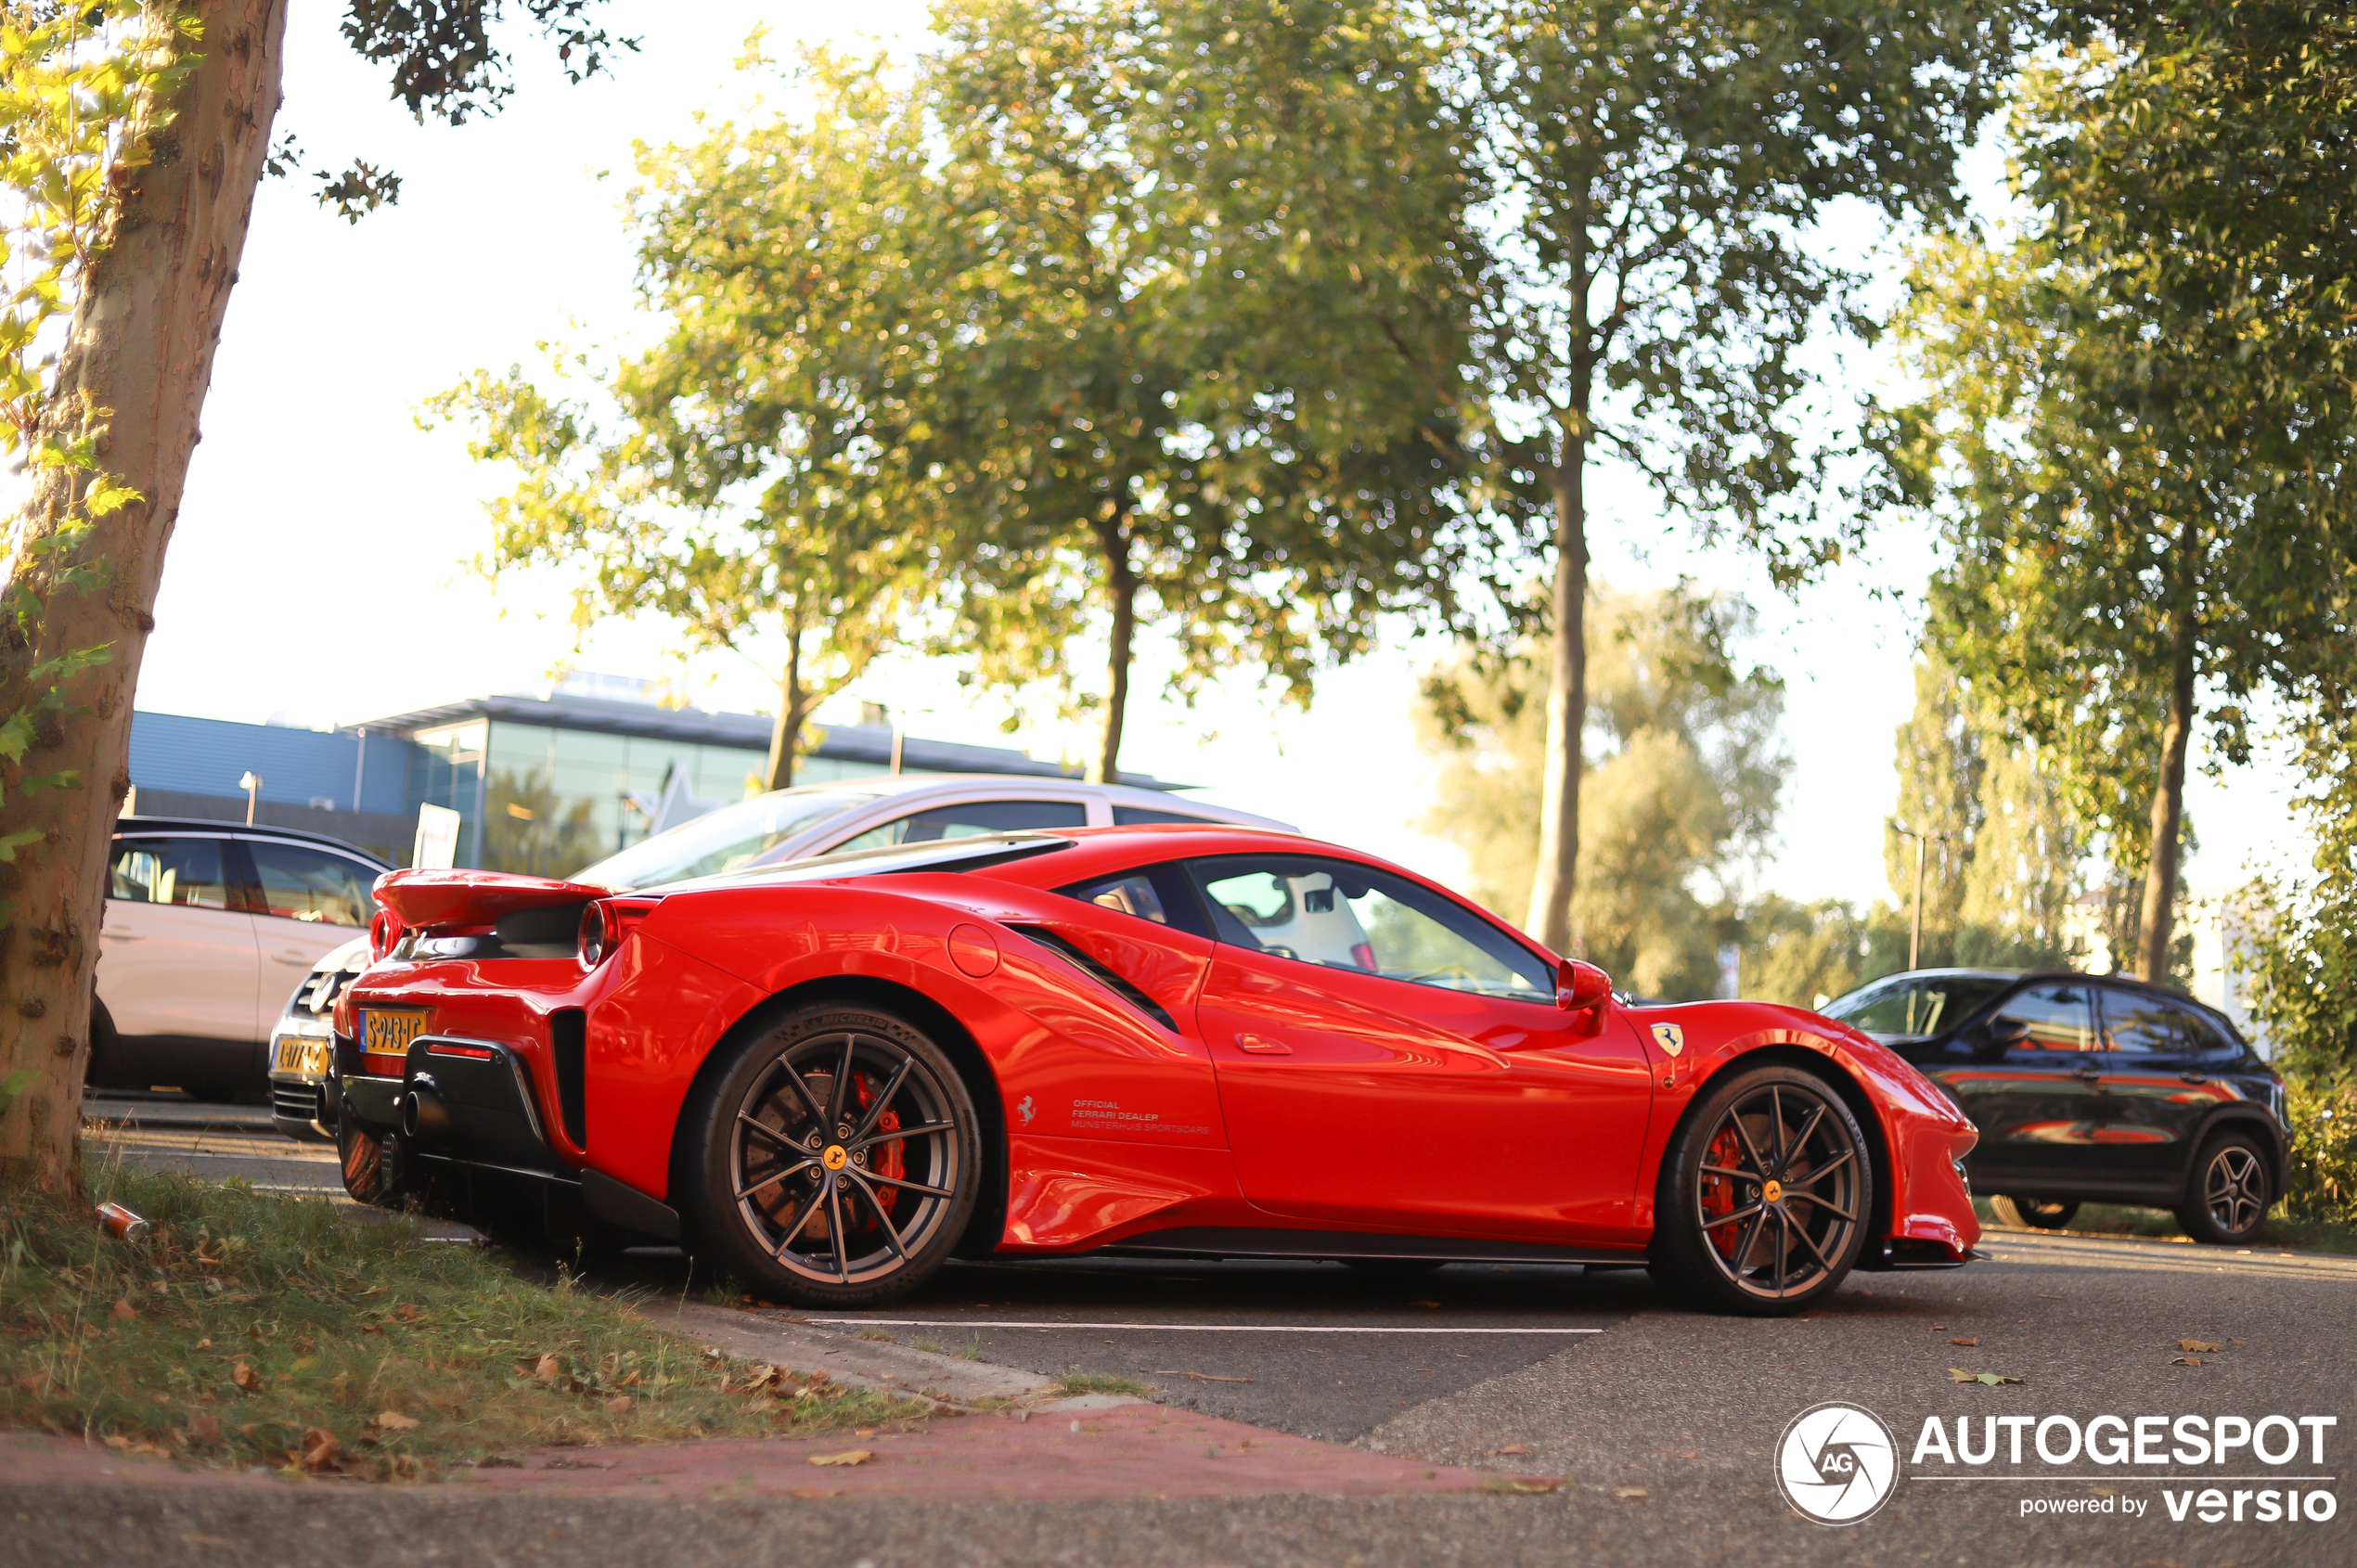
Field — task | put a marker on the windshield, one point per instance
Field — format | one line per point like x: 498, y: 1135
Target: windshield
x: 721, y: 840
x: 938, y: 854
x: 1915, y: 1006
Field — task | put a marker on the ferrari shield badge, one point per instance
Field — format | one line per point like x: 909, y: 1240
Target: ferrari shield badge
x: 1669, y: 1038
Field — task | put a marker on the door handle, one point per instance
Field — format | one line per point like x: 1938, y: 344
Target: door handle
x: 293, y: 956
x: 118, y: 935
x: 1261, y: 1045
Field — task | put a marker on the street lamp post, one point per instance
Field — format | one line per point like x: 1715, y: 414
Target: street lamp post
x: 1915, y: 925
x: 252, y: 784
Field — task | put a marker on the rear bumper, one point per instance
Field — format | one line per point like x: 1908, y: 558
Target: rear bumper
x: 468, y: 1104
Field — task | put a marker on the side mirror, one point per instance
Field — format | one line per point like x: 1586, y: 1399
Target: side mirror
x: 1580, y: 987
x: 2000, y: 1035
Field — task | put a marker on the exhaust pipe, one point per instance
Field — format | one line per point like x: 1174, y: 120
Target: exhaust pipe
x: 423, y: 1114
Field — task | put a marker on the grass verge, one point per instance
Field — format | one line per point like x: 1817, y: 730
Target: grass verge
x: 1072, y: 1384
x: 2122, y: 1219
x: 251, y: 1329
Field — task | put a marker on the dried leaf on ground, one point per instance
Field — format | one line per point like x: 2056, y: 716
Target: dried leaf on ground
x: 2198, y: 1345
x: 245, y: 1377
x: 1968, y: 1342
x: 320, y: 1450
x: 848, y: 1456
x: 393, y: 1420
x: 1511, y: 1448
x: 204, y: 1426
x: 2184, y: 1361
x: 1630, y: 1494
x: 1957, y: 1374
x: 619, y: 1404
x: 548, y: 1367
x: 124, y: 1311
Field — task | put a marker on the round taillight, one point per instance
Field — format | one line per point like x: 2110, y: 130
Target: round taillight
x: 385, y: 934
x: 594, y: 936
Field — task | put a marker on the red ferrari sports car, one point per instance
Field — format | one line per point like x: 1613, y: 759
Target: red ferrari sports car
x: 1204, y: 1041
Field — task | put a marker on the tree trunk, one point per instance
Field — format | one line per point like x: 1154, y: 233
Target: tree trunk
x: 785, y: 736
x: 2157, y: 923
x: 1121, y: 587
x: 1550, y: 887
x: 134, y: 370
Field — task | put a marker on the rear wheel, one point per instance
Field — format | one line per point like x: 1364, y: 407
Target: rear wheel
x: 2042, y: 1213
x: 1763, y: 1197
x: 836, y: 1162
x: 2227, y: 1199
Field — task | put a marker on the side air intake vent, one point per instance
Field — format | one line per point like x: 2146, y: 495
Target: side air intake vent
x: 569, y: 1049
x: 1079, y: 957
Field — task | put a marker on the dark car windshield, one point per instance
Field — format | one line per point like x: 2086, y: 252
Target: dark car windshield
x: 941, y: 855
x: 1911, y: 1007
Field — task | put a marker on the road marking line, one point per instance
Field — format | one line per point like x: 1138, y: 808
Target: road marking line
x: 1169, y: 1328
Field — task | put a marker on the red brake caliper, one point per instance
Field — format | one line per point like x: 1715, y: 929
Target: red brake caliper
x: 884, y: 1159
x: 1718, y: 1192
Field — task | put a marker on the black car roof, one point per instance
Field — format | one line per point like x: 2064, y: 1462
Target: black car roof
x: 238, y: 829
x: 2135, y: 983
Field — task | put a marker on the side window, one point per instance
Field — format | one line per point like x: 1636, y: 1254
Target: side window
x: 1133, y: 815
x: 189, y: 873
x: 965, y: 821
x: 300, y: 883
x: 2148, y: 1026
x: 2060, y: 1016
x: 1342, y: 915
x: 1160, y: 893
x: 1914, y: 1007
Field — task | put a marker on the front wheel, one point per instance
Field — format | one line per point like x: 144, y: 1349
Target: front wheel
x: 2227, y: 1199
x: 837, y: 1161
x: 1764, y: 1195
x: 2042, y: 1213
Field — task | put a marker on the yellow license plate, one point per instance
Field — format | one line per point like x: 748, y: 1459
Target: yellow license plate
x: 387, y: 1031
x: 301, y: 1053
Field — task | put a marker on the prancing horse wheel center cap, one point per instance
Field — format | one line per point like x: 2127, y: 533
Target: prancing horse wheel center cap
x: 835, y: 1157
x: 1771, y: 1193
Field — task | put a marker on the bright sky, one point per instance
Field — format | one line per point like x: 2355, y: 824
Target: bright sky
x: 319, y: 568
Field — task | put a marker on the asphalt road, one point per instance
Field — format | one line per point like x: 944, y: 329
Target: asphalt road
x: 217, y: 1142
x: 1662, y: 1425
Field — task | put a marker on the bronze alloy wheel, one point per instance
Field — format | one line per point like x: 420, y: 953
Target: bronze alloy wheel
x: 848, y: 1150
x: 1765, y: 1195
x: 2230, y: 1193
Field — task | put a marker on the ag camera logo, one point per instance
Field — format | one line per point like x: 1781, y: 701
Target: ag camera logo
x: 1837, y: 1463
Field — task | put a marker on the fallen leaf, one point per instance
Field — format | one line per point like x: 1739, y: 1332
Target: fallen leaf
x: 393, y: 1420
x: 619, y: 1404
x: 1511, y: 1448
x: 1629, y: 1493
x: 547, y: 1367
x: 2185, y: 1361
x: 124, y: 1311
x: 1957, y: 1374
x: 1197, y: 1377
x: 848, y: 1456
x: 864, y: 1432
x: 245, y: 1377
x: 1532, y: 1483
x: 1968, y: 1342
x: 319, y: 1448
x: 2198, y: 1345
x: 117, y: 1441
x: 204, y: 1345
x: 203, y: 1426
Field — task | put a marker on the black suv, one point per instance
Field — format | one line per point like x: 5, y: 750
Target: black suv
x: 2091, y: 1089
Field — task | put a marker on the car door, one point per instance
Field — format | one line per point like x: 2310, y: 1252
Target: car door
x: 1386, y: 1057
x: 177, y: 951
x: 2030, y: 1078
x: 957, y: 819
x: 307, y: 901
x: 2159, y: 1083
